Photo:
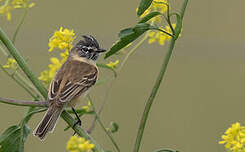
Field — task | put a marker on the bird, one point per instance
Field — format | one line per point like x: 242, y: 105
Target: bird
x: 74, y: 78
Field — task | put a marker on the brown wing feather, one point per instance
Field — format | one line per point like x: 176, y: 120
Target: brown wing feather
x: 73, y: 78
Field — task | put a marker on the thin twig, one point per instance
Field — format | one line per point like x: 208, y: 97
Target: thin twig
x: 20, y: 23
x: 24, y: 102
x: 132, y: 51
x: 18, y: 82
x: 169, y: 20
x: 102, y: 126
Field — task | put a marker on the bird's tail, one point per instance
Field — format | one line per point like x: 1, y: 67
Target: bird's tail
x: 48, y: 122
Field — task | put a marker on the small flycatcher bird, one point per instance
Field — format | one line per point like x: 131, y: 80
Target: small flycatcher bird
x: 74, y: 78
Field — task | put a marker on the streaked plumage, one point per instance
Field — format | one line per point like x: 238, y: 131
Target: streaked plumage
x: 73, y: 79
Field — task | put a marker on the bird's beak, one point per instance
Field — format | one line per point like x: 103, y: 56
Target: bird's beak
x: 101, y: 50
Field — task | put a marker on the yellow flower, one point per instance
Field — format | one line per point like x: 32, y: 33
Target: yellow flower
x: 88, y: 107
x: 61, y: 39
x: 160, y: 36
x: 64, y: 56
x: 234, y: 138
x: 22, y: 4
x: 47, y: 75
x: 156, y: 5
x: 113, y: 64
x: 11, y: 64
x: 79, y: 144
x: 5, y: 9
x: 56, y: 64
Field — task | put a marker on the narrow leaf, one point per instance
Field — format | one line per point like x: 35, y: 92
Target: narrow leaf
x: 125, y: 32
x: 144, y: 4
x: 149, y: 16
x: 142, y: 27
x: 12, y: 139
x: 138, y: 30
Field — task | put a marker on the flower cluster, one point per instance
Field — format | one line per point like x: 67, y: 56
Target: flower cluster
x: 79, y: 144
x: 7, y: 6
x: 11, y: 64
x: 160, y: 36
x: 234, y: 138
x: 113, y: 64
x: 62, y: 40
x: 157, y: 5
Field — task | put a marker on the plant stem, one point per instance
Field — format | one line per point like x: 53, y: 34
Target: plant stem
x: 20, y: 24
x: 27, y: 84
x: 2, y: 49
x: 80, y: 131
x: 24, y: 102
x: 132, y: 51
x: 92, y: 126
x: 102, y: 126
x: 18, y: 82
x: 157, y: 83
x: 22, y: 63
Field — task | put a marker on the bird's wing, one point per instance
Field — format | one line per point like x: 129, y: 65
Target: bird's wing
x: 73, y: 78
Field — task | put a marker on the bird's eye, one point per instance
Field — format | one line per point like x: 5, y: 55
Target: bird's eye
x: 85, y: 49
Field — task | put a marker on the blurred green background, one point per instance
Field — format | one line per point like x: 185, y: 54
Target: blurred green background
x: 202, y: 93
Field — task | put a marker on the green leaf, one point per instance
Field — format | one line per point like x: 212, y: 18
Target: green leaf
x: 128, y: 37
x: 142, y: 27
x: 12, y: 139
x: 149, y: 16
x: 114, y: 127
x: 125, y: 32
x: 165, y: 150
x: 107, y: 67
x: 144, y: 4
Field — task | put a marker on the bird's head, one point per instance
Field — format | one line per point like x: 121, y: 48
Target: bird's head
x: 87, y: 48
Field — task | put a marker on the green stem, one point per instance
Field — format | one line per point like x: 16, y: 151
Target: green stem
x: 22, y: 63
x: 31, y: 112
x: 2, y: 49
x: 39, y: 86
x: 157, y: 83
x: 20, y: 24
x: 102, y: 126
x: 132, y: 51
x: 27, y: 84
x: 80, y: 131
x: 19, y: 82
x: 92, y: 126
